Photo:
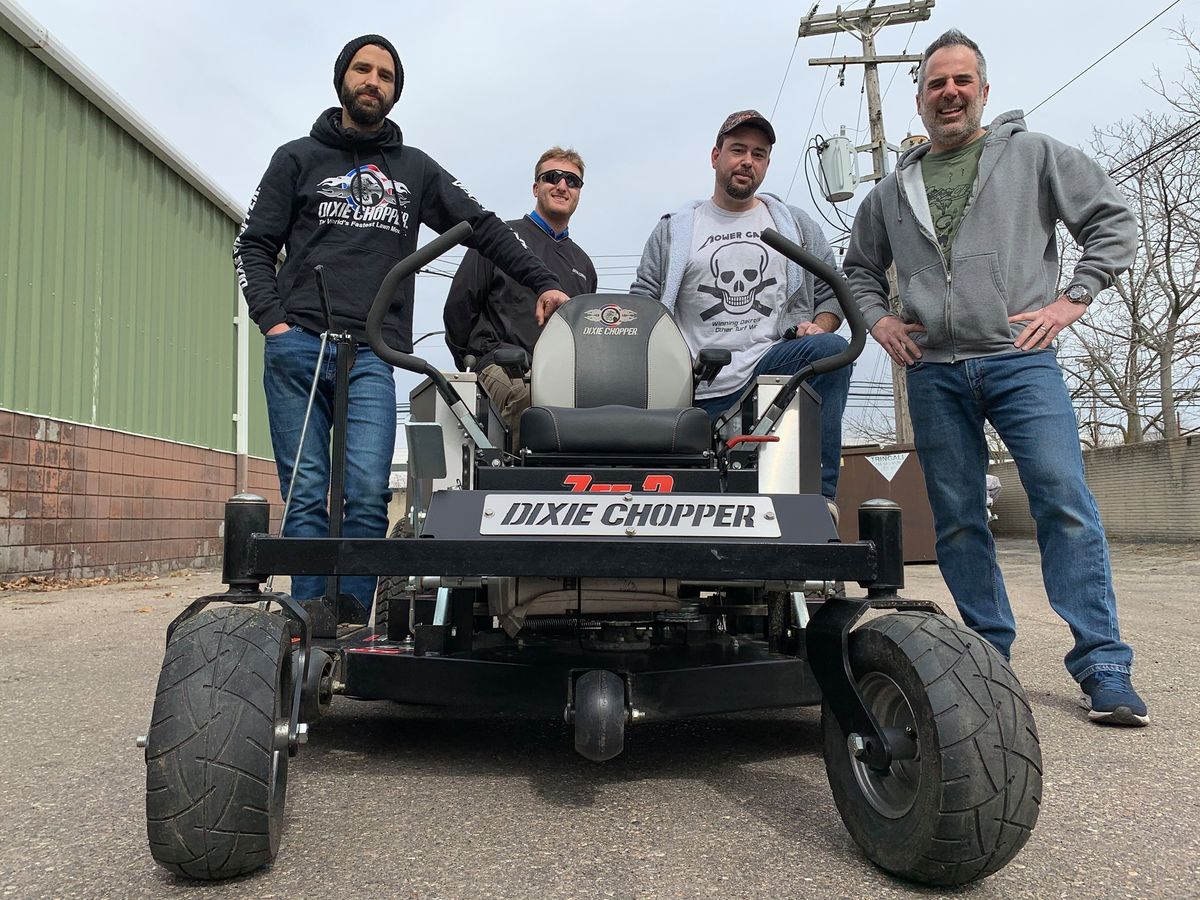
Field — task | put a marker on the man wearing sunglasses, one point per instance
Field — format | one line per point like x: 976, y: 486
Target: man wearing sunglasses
x: 488, y: 311
x: 728, y: 290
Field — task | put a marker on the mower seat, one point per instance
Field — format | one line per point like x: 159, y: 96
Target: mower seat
x: 613, y: 375
x: 616, y: 429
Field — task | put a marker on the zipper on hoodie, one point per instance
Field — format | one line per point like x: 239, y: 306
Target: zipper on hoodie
x: 937, y: 245
x: 942, y: 256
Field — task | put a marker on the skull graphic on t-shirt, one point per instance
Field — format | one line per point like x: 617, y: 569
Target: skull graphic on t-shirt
x: 737, y: 269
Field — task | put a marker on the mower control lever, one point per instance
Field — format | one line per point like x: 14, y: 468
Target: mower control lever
x: 513, y: 360
x: 709, y: 362
x: 383, y: 302
x: 850, y: 311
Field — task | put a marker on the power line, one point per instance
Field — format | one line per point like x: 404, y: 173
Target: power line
x: 785, y: 75
x: 1150, y: 149
x: 1159, y: 149
x: 813, y: 118
x: 907, y: 41
x: 1102, y: 58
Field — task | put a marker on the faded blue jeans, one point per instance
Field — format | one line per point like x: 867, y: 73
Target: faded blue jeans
x: 1023, y: 395
x: 288, y: 364
x: 787, y: 358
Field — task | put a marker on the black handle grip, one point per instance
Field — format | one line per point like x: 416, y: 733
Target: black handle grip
x: 850, y: 311
x: 387, y: 290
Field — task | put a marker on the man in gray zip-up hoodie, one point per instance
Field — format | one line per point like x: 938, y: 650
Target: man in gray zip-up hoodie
x: 969, y: 221
x: 728, y: 290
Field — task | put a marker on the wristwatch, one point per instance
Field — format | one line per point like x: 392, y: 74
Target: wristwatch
x: 1077, y: 293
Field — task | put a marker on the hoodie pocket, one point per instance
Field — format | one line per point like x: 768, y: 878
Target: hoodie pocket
x: 979, y: 303
x: 923, y: 301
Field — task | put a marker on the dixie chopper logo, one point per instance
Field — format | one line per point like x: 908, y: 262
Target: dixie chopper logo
x: 738, y: 271
x: 364, y: 197
x: 612, y: 317
x: 629, y: 515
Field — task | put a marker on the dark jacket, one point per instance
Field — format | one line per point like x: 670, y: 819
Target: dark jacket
x: 487, y: 310
x: 352, y: 202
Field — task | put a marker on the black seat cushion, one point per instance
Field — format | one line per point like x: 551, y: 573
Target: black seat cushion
x: 615, y: 429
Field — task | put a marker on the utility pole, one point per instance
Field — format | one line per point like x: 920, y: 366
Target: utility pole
x: 864, y: 24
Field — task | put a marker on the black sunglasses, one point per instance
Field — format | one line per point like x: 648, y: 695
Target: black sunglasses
x: 554, y: 176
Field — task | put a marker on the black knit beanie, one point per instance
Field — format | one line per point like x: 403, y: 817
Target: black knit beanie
x: 347, y: 54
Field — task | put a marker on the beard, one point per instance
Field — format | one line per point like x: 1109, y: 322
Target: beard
x: 954, y: 134
x: 740, y: 193
x: 361, y: 111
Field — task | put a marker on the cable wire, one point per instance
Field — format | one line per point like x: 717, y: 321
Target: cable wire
x: 1181, y: 135
x: 813, y: 118
x: 785, y: 75
x: 1168, y: 7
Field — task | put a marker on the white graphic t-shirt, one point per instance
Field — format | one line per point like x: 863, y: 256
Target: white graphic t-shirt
x: 732, y: 291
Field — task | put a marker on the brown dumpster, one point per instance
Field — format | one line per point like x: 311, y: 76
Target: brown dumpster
x: 891, y: 473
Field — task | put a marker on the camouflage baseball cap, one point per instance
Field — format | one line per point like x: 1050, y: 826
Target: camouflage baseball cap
x: 747, y: 117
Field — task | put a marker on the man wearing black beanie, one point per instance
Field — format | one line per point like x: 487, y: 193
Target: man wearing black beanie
x: 350, y: 197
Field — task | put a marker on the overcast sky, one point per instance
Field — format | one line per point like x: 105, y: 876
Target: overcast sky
x: 638, y: 88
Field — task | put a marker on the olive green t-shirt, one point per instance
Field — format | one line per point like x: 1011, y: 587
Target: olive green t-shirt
x: 949, y: 178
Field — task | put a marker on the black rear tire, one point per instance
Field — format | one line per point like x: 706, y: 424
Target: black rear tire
x: 216, y: 775
x: 391, y: 599
x: 967, y: 804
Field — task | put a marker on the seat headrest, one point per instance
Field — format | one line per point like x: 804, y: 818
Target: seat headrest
x: 604, y: 349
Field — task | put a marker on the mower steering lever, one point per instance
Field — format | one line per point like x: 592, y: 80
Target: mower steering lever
x: 383, y: 302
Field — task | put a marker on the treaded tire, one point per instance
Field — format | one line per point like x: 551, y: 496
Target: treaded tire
x: 391, y: 588
x: 215, y: 782
x: 964, y: 807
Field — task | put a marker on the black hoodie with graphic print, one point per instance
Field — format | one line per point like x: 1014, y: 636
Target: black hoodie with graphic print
x: 352, y: 202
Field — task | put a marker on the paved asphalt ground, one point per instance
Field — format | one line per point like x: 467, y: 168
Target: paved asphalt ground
x: 389, y: 802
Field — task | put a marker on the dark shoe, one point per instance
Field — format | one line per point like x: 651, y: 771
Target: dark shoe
x: 1110, y: 699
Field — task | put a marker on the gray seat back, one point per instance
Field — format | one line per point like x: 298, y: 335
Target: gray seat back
x: 605, y: 349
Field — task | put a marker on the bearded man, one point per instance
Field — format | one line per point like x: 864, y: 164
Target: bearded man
x: 350, y: 197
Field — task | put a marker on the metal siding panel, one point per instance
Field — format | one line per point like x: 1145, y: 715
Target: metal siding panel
x: 11, y: 183
x: 115, y: 274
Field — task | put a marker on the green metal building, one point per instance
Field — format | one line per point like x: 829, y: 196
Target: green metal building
x: 118, y: 302
x: 130, y: 373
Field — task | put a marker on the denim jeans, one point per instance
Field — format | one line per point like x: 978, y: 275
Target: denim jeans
x: 787, y: 358
x: 1025, y: 399
x: 289, y: 361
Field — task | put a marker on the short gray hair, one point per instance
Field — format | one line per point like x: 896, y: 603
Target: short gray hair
x: 952, y: 38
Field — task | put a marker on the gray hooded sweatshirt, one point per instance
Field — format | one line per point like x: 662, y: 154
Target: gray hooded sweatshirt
x: 1004, y: 259
x: 669, y: 248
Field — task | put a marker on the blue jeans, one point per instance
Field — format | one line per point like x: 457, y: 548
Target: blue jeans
x: 787, y: 358
x: 1025, y: 399
x: 289, y: 361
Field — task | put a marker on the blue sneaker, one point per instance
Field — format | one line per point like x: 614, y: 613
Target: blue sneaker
x: 1110, y: 699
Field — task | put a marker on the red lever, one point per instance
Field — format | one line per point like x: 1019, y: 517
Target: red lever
x: 752, y: 439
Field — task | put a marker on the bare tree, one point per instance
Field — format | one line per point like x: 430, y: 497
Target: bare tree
x: 1134, y: 361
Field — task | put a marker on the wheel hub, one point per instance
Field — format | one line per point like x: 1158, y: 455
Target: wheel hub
x: 891, y: 791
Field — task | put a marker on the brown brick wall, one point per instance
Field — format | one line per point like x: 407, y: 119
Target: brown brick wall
x: 81, y: 502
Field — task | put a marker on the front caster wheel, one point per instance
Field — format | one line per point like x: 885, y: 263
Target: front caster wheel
x: 599, y: 715
x: 964, y: 806
x: 217, y: 749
